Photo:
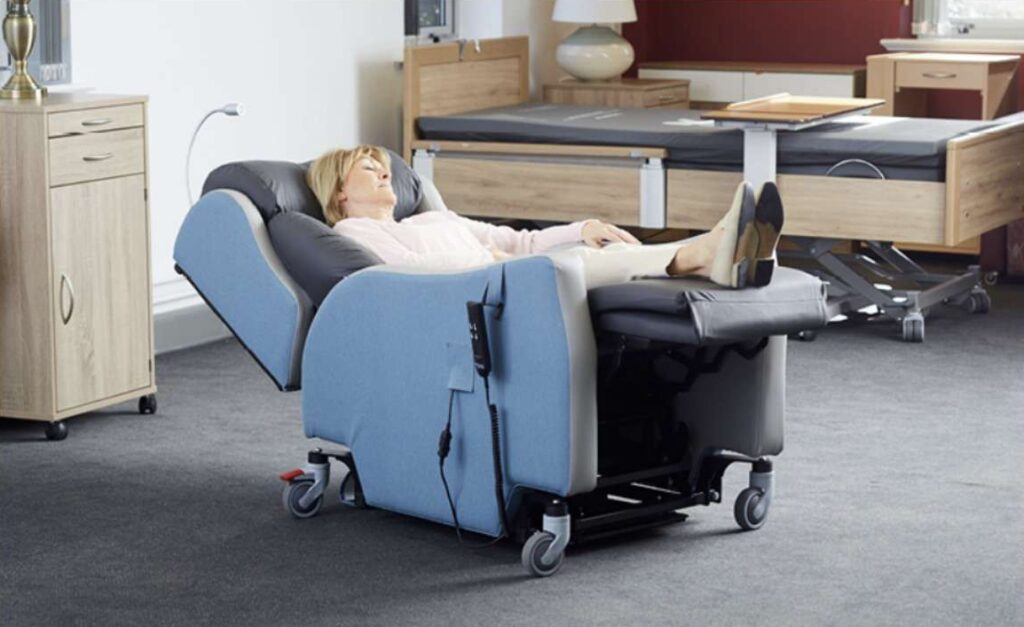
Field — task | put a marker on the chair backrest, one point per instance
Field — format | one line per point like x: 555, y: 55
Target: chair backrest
x: 277, y: 187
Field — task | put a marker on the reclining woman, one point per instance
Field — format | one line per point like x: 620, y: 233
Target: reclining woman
x: 354, y: 189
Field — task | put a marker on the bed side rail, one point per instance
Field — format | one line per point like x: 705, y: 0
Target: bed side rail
x: 984, y: 181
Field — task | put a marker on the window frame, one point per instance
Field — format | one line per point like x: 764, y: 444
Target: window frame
x: 965, y: 28
x: 412, y: 27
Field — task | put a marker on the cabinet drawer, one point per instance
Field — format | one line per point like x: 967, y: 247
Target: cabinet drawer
x: 92, y: 120
x: 662, y: 97
x: 79, y: 158
x: 941, y: 75
x: 761, y: 84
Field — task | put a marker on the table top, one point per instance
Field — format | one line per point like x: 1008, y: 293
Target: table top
x: 66, y: 101
x: 754, y: 66
x: 948, y: 57
x: 622, y: 84
x: 785, y: 109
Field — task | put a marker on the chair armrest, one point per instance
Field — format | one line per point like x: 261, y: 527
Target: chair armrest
x: 389, y: 345
x: 225, y: 252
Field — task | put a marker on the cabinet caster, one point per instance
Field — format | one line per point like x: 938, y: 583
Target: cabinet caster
x: 55, y: 431
x: 913, y: 328
x: 147, y: 404
x: 295, y: 503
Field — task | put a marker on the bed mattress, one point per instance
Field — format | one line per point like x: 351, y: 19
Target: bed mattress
x: 902, y: 148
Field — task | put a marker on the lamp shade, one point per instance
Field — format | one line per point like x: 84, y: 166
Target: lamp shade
x: 594, y: 11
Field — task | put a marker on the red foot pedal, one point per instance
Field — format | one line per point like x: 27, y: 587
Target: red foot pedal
x: 291, y: 474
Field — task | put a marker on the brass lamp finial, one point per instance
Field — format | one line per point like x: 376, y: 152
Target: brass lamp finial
x: 20, y: 36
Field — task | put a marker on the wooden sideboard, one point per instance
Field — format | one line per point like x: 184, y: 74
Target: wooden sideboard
x: 76, y: 321
x: 714, y: 84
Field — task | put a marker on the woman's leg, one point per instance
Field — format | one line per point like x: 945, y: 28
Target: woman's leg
x: 618, y: 263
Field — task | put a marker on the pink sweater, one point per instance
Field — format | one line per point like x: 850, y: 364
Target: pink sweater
x: 443, y: 240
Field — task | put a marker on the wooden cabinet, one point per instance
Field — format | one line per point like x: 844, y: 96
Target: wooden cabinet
x: 903, y: 79
x: 76, y: 327
x: 636, y: 93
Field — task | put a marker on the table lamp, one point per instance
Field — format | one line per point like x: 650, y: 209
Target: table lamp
x: 595, y: 53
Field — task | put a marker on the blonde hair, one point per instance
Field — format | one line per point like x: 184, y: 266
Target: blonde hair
x: 326, y: 176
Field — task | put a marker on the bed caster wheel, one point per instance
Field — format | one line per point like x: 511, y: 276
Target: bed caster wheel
x: 751, y: 509
x: 805, y: 336
x: 991, y: 278
x: 55, y: 431
x: 292, y: 497
x: 533, y: 555
x: 147, y: 404
x: 978, y: 303
x: 913, y: 328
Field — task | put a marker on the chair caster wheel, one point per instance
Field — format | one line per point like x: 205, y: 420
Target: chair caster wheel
x: 750, y: 509
x: 147, y: 404
x: 913, y: 328
x: 533, y: 552
x: 292, y: 495
x: 991, y: 278
x: 55, y: 431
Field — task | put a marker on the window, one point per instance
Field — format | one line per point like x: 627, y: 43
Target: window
x: 994, y: 19
x: 430, y: 18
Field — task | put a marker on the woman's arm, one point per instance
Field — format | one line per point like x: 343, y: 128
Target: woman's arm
x: 592, y: 232
x: 523, y: 242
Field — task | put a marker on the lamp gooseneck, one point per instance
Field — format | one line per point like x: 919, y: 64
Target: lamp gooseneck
x: 233, y: 109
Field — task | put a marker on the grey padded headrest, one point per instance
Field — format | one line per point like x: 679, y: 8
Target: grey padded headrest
x: 280, y: 186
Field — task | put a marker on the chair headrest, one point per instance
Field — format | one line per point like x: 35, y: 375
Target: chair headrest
x: 280, y: 186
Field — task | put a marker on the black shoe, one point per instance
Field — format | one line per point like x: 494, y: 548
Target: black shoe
x: 768, y: 224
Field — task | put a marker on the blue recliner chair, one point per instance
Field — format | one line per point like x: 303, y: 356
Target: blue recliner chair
x: 599, y: 413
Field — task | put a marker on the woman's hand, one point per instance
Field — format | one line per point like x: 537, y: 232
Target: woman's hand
x: 597, y: 234
x: 499, y: 255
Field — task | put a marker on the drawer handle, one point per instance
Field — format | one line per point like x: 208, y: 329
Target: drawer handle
x: 940, y: 75
x: 102, y: 157
x: 666, y: 97
x: 66, y: 282
x: 98, y: 122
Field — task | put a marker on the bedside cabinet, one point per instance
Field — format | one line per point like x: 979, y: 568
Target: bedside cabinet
x: 76, y: 320
x: 636, y: 93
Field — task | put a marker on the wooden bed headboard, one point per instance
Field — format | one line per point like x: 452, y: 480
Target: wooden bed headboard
x: 442, y: 79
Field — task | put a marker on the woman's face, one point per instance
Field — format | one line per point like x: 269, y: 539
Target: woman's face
x: 367, y: 191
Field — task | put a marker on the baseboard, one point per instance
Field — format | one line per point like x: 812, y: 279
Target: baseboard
x: 181, y: 319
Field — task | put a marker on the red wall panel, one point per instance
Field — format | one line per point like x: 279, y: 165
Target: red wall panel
x: 811, y: 31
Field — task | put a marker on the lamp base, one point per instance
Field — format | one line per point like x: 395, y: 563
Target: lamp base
x: 22, y: 87
x: 595, y: 53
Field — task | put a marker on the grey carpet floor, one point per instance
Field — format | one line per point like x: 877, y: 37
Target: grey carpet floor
x: 899, y: 502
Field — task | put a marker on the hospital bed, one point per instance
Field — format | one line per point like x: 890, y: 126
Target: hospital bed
x: 470, y: 128
x: 556, y: 415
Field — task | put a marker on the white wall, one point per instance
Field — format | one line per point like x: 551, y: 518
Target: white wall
x: 481, y: 19
x: 313, y: 75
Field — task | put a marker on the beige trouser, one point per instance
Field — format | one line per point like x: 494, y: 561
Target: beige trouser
x: 618, y: 263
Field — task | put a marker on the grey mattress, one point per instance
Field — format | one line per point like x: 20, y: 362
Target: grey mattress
x: 903, y: 148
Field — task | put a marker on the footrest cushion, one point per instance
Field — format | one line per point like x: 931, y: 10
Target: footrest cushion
x: 692, y: 311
